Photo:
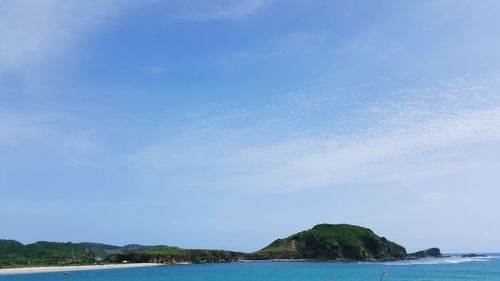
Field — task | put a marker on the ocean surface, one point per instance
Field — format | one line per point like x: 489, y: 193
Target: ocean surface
x: 453, y: 268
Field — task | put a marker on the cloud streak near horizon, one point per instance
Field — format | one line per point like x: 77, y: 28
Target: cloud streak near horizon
x: 429, y: 125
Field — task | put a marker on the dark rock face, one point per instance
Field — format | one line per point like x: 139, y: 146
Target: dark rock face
x: 429, y: 253
x: 473, y: 256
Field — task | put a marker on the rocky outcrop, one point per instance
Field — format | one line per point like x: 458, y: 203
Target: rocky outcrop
x: 429, y: 253
x: 473, y: 256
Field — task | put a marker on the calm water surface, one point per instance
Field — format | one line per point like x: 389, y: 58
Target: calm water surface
x: 455, y: 268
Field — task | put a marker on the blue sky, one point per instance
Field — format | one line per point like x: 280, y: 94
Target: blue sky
x: 227, y: 124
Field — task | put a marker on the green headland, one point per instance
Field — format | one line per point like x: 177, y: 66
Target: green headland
x: 332, y: 242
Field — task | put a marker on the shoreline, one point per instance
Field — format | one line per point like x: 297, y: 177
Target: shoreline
x: 47, y: 269
x: 69, y: 268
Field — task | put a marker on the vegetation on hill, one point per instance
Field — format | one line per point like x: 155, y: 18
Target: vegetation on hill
x: 172, y: 256
x: 333, y: 242
x: 342, y: 242
x: 322, y: 242
x: 101, y: 251
x: 15, y: 254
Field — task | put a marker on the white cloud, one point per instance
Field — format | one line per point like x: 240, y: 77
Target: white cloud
x: 421, y: 135
x: 16, y: 127
x: 34, y: 31
x: 27, y: 135
x: 366, y: 158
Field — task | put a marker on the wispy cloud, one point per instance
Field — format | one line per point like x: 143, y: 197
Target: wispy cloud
x: 422, y: 134
x: 219, y: 10
x: 16, y: 127
x: 296, y: 44
x: 29, y: 133
x: 35, y: 31
x: 365, y: 158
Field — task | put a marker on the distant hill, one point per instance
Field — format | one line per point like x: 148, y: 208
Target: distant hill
x: 333, y: 242
x: 137, y: 247
x: 101, y: 251
x: 14, y: 253
x: 323, y: 242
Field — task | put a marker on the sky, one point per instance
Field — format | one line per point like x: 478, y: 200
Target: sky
x: 227, y: 124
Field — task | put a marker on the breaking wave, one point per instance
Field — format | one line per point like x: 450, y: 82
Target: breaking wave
x: 448, y: 260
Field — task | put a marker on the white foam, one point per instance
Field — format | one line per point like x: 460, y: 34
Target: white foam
x: 449, y: 260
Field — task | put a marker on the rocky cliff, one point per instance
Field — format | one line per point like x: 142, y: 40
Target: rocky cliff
x: 429, y: 253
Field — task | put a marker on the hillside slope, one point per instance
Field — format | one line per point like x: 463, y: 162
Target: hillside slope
x: 341, y: 242
x: 172, y: 256
x: 15, y: 254
x: 333, y: 242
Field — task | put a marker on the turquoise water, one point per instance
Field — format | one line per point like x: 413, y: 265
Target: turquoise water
x: 455, y: 268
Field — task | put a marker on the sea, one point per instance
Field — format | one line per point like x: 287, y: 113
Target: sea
x: 444, y: 269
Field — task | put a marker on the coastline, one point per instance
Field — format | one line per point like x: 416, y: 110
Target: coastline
x: 46, y: 269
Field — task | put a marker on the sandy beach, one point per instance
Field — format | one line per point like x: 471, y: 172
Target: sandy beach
x: 28, y: 270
